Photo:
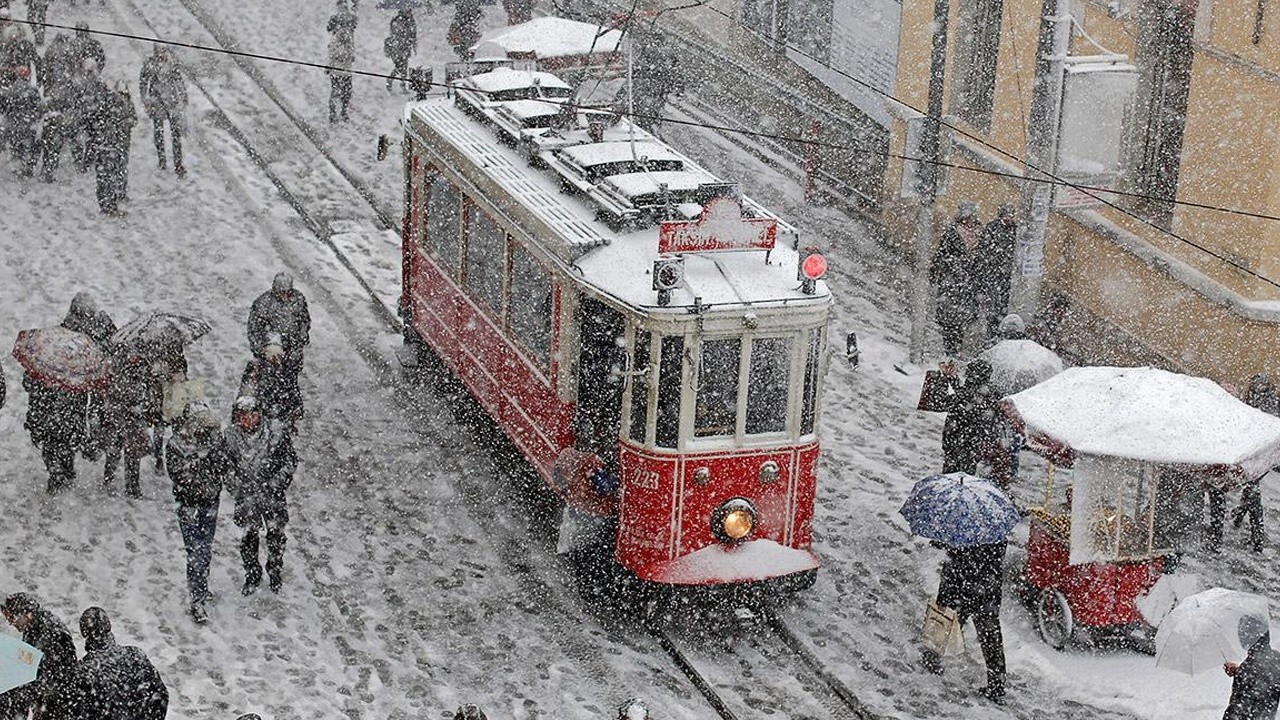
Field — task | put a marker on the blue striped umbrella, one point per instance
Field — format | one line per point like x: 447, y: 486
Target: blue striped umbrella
x: 959, y: 510
x: 18, y: 662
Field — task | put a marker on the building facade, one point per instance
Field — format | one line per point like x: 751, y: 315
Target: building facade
x: 1173, y: 103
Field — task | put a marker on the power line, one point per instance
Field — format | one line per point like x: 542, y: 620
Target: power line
x: 1051, y: 179
x: 1089, y: 190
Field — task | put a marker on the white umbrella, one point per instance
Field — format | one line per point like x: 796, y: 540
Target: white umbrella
x: 1202, y: 632
x: 1019, y: 364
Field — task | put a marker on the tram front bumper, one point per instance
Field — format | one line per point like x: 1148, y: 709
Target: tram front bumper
x: 750, y: 561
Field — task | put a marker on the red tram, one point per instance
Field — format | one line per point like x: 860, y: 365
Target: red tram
x: 641, y: 332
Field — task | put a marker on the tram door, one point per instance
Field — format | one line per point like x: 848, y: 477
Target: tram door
x: 601, y: 360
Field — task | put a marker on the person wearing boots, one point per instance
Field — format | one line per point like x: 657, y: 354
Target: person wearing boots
x: 263, y: 462
x: 970, y: 586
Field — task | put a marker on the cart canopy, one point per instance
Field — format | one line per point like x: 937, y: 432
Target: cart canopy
x: 548, y: 39
x: 1145, y: 414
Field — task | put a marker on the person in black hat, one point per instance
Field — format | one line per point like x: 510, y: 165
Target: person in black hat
x: 114, y: 680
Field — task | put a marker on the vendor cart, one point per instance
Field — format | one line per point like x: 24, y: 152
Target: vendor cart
x: 1140, y: 444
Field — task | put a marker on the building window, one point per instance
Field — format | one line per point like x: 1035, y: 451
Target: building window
x: 977, y: 41
x: 530, y: 309
x: 1164, y: 59
x: 486, y: 258
x: 443, y: 224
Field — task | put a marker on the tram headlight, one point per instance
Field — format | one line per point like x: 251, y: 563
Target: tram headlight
x: 734, y: 521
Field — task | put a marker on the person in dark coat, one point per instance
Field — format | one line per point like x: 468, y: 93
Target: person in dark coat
x: 110, y: 131
x: 1262, y: 396
x: 464, y: 31
x: 3, y: 388
x: 132, y: 406
x: 58, y: 64
x: 518, y: 11
x: 16, y: 52
x: 56, y: 420
x: 275, y: 387
x: 263, y: 462
x: 970, y: 585
x: 342, y: 55
x: 1255, y: 684
x: 954, y: 274
x: 995, y: 265
x: 20, y: 102
x: 114, y: 681
x: 36, y: 10
x: 164, y: 97
x: 45, y: 632
x: 84, y: 316
x: 199, y: 465
x: 971, y: 431
x: 401, y: 44
x: 281, y: 317
x: 84, y: 46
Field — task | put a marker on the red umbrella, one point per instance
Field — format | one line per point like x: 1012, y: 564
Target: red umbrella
x: 61, y: 358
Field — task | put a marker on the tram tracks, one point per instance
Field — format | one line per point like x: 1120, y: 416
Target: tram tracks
x: 770, y: 640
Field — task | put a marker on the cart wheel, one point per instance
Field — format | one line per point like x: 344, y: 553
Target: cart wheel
x: 1054, y: 614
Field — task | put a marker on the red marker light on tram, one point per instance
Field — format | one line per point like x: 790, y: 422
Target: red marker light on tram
x: 813, y: 266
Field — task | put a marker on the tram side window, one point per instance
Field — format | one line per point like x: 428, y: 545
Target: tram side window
x: 486, y: 258
x: 640, y: 387
x: 443, y: 206
x: 767, y: 385
x: 530, y: 311
x: 669, y: 370
x: 809, y: 409
x: 716, y: 411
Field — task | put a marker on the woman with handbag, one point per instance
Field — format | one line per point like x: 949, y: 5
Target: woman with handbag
x: 970, y: 586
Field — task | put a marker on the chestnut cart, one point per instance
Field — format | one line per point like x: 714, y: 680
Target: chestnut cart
x: 1129, y: 452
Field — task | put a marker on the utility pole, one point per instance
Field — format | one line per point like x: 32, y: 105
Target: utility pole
x: 1042, y: 152
x: 927, y: 180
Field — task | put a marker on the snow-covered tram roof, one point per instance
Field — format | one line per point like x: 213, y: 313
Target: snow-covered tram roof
x: 618, y: 262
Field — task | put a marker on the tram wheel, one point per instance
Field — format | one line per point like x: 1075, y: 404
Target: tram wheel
x: 1054, y: 618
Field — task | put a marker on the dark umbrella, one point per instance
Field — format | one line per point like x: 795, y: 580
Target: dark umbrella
x: 61, y: 358
x: 959, y: 510
x: 160, y: 329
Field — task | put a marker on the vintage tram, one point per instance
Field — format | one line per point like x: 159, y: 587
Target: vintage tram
x: 651, y: 340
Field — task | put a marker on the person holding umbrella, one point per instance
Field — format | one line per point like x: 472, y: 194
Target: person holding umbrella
x: 43, y: 631
x: 1255, y: 684
x: 56, y: 419
x: 970, y: 518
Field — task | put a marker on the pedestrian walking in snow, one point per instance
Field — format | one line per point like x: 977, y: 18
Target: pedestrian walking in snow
x: 464, y: 31
x: 46, y: 633
x: 1262, y: 396
x: 401, y: 44
x: 280, y: 317
x: 518, y: 11
x: 36, y: 10
x: 16, y: 53
x: 199, y: 465
x: 58, y: 64
x: 342, y: 55
x: 87, y: 47
x: 132, y: 405
x: 1255, y: 684
x: 995, y: 266
x: 263, y: 462
x: 275, y: 386
x: 954, y: 275
x: 469, y: 712
x: 20, y: 102
x: 164, y: 97
x: 113, y: 680
x: 110, y: 135
x: 971, y: 432
x: 970, y: 585
x: 56, y: 420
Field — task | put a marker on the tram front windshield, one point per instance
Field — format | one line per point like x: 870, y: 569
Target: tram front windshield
x: 753, y: 388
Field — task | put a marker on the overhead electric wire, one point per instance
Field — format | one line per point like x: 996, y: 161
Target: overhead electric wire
x: 1048, y: 178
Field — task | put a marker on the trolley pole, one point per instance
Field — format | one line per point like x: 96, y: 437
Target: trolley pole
x: 1042, y: 149
x: 927, y: 181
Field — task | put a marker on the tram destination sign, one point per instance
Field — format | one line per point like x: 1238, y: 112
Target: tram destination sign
x: 721, y: 227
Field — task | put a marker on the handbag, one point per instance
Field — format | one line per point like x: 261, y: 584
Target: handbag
x: 941, y: 632
x: 937, y: 392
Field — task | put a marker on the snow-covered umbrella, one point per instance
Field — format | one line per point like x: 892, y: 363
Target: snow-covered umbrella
x: 18, y: 663
x: 1019, y: 364
x: 960, y: 510
x: 61, y: 358
x: 159, y: 329
x: 1203, y: 631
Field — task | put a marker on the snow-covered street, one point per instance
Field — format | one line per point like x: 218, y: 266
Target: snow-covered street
x: 418, y: 575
